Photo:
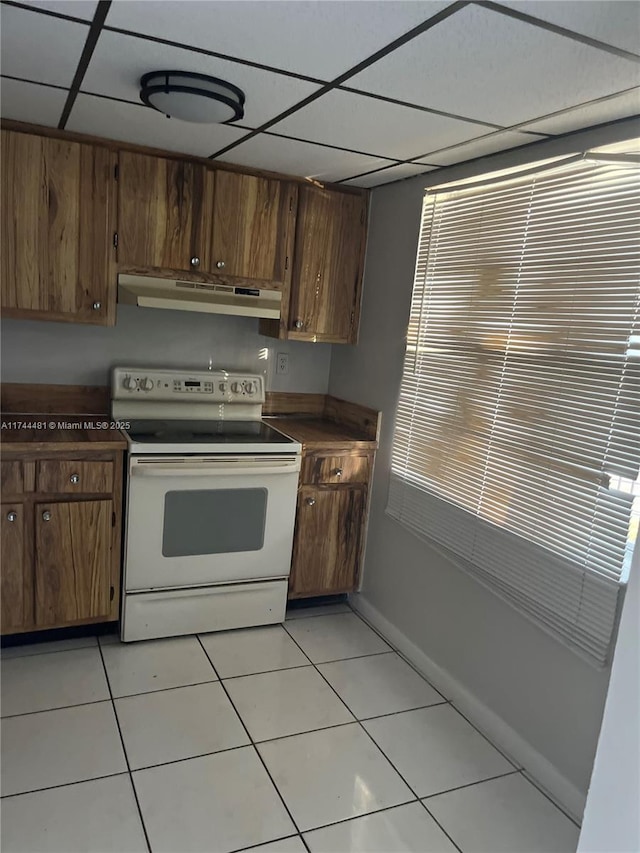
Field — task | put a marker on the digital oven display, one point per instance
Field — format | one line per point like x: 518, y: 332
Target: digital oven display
x: 192, y: 384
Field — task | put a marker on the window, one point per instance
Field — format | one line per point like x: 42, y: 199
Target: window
x: 517, y: 437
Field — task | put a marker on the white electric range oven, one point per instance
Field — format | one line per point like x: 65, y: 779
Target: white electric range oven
x: 210, y: 504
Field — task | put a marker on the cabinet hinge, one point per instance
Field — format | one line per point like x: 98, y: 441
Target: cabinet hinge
x: 286, y: 262
x: 116, y: 172
x: 290, y: 204
x: 115, y: 239
x: 112, y: 592
x: 352, y: 318
x: 113, y: 515
x: 362, y: 217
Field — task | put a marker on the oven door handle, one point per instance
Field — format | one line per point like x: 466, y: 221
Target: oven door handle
x: 213, y: 469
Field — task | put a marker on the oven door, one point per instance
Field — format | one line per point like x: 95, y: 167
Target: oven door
x: 196, y: 521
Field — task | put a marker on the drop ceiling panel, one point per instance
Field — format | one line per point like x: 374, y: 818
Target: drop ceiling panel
x: 374, y: 126
x: 484, y: 65
x: 76, y: 8
x: 300, y: 158
x: 119, y: 62
x: 29, y: 102
x: 40, y: 48
x: 316, y: 38
x: 615, y: 22
x: 144, y: 126
x: 619, y: 106
x: 479, y: 148
x: 396, y: 173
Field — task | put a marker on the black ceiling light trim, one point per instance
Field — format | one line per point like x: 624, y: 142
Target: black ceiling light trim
x: 165, y: 82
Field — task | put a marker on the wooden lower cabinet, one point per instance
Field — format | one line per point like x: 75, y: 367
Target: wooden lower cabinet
x: 72, y: 561
x: 61, y: 559
x: 16, y: 604
x: 328, y: 542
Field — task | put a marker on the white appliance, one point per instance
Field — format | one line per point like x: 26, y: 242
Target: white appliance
x: 207, y: 297
x: 210, y: 504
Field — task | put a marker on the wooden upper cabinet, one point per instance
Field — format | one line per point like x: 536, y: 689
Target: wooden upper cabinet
x: 72, y: 562
x: 253, y: 221
x: 58, y: 220
x: 328, y: 265
x: 164, y: 213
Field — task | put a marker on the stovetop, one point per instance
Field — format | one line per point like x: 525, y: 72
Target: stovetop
x: 204, y: 432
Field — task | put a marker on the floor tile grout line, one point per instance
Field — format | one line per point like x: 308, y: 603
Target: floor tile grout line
x: 56, y: 708
x: 266, y: 672
x: 164, y: 689
x: 253, y: 744
x: 41, y: 653
x: 470, y: 784
x: 526, y: 775
x: 64, y: 784
x: 124, y: 751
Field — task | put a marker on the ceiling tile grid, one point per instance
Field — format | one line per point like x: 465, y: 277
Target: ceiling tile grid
x: 40, y: 48
x: 501, y: 80
x: 316, y: 38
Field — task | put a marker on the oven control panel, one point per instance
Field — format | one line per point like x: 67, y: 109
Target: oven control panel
x: 211, y: 386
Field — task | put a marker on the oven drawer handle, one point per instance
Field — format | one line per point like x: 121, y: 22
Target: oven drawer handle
x: 213, y: 470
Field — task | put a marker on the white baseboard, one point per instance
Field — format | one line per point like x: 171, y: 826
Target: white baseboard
x: 567, y: 795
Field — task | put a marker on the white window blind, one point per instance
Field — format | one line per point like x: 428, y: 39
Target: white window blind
x: 519, y: 410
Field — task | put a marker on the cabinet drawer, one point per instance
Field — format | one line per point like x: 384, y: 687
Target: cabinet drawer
x: 12, y: 481
x: 335, y: 469
x: 70, y: 477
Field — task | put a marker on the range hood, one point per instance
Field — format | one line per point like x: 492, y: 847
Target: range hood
x: 148, y: 292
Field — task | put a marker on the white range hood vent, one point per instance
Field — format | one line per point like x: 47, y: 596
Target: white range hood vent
x: 149, y: 292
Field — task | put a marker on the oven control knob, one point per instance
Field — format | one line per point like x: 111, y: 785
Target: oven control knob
x: 236, y: 387
x: 223, y: 387
x: 250, y: 388
x: 130, y: 383
x: 147, y: 384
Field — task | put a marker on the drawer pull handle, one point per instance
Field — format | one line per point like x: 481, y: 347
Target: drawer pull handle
x: 310, y: 501
x: 11, y: 516
x: 195, y: 261
x: 97, y: 305
x: 298, y: 324
x: 46, y: 515
x: 337, y: 472
x: 74, y: 478
x: 220, y: 265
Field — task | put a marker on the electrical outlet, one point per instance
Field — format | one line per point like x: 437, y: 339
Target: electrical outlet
x: 282, y: 362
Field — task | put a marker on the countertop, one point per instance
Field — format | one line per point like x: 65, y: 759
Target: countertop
x: 315, y: 433
x: 46, y: 432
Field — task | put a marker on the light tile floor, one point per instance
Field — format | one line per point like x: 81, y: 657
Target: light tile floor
x: 312, y: 736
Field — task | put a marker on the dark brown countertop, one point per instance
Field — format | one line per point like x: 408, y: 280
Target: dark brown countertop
x: 314, y: 433
x: 62, y: 433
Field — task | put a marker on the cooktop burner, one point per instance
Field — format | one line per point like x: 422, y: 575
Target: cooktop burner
x: 205, y: 432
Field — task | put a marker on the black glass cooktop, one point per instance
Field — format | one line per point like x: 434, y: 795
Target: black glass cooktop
x: 205, y: 432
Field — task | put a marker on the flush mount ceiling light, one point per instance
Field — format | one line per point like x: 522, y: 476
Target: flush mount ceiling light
x: 192, y: 97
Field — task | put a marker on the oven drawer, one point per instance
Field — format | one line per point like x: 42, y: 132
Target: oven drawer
x: 172, y: 613
x: 70, y: 477
x: 319, y: 470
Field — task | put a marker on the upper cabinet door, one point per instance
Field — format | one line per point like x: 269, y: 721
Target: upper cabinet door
x: 253, y: 223
x: 58, y: 211
x: 164, y: 215
x: 327, y: 267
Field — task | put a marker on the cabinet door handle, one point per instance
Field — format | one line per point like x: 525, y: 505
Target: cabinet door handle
x: 310, y: 501
x: 220, y: 265
x: 298, y: 324
x: 97, y: 306
x: 12, y: 516
x: 74, y: 478
x: 46, y: 515
x: 195, y: 261
x: 337, y: 472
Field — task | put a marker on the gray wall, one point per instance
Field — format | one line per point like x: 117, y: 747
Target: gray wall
x: 64, y: 353
x: 549, y: 695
